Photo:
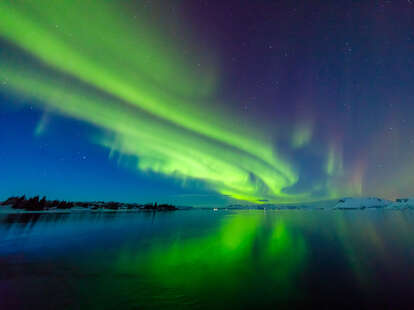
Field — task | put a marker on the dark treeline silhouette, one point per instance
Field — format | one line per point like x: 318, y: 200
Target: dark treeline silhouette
x: 37, y: 204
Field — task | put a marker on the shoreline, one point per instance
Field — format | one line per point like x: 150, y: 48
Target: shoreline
x: 35, y: 204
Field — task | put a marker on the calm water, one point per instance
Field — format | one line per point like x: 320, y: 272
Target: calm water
x: 200, y: 259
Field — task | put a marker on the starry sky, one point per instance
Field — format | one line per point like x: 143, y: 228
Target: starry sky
x: 199, y: 102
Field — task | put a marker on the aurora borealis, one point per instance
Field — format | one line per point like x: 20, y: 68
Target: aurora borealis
x: 250, y: 101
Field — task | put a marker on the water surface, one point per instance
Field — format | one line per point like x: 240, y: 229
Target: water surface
x: 201, y: 259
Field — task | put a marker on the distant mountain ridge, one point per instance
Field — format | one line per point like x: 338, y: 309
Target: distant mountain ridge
x: 347, y: 203
x: 37, y: 204
x: 374, y: 203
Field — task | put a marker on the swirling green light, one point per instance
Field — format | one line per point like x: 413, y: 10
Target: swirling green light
x: 100, y: 64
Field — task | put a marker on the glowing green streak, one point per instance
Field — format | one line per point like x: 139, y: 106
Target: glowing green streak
x: 154, y: 102
x: 98, y: 67
x: 163, y: 148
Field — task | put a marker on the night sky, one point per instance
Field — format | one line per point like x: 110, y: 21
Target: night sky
x: 207, y: 102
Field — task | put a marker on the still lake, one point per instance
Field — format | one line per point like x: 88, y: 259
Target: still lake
x: 201, y: 259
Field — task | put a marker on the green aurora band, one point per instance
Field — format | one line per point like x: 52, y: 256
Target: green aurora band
x: 93, y: 61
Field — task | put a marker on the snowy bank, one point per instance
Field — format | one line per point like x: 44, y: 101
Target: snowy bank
x: 361, y: 203
x: 402, y: 204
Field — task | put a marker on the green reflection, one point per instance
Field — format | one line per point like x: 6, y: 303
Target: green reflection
x: 246, y: 252
x: 213, y: 260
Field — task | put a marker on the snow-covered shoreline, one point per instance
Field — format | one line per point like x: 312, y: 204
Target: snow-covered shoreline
x: 374, y: 203
x: 348, y: 203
